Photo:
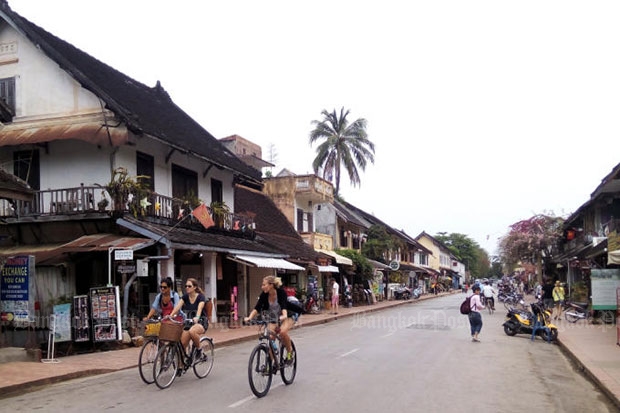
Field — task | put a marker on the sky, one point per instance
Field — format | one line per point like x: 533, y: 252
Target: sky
x: 483, y: 113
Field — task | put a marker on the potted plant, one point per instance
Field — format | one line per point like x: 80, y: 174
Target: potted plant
x: 219, y: 212
x: 122, y: 186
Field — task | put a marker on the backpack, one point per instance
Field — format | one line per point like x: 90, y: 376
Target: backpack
x: 294, y: 305
x: 466, y: 306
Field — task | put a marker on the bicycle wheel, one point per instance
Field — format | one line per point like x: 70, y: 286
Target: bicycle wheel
x: 148, y: 353
x: 165, y: 366
x: 607, y: 317
x: 203, y: 366
x: 289, y: 367
x: 260, y: 370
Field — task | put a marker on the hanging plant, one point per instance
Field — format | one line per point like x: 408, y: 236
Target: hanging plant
x: 219, y: 212
x: 123, y: 188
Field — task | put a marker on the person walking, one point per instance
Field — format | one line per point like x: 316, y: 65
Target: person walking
x: 335, y: 295
x: 475, y: 318
x: 547, y: 292
x: 558, y: 299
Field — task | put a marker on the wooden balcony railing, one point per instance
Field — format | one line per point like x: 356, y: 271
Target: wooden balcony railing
x: 89, y: 200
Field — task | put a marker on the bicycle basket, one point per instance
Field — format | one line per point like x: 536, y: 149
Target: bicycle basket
x: 151, y: 329
x: 170, y: 331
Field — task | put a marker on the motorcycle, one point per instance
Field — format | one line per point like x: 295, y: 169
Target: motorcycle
x: 417, y: 292
x: 402, y: 293
x: 525, y: 322
x: 574, y: 312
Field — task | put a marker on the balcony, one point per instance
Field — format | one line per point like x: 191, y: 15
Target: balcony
x: 318, y: 241
x: 93, y: 202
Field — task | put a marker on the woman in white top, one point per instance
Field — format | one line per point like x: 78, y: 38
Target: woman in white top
x: 475, y: 318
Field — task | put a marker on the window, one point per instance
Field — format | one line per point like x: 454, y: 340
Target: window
x: 26, y: 166
x: 146, y: 167
x: 7, y: 92
x: 184, y: 182
x: 217, y: 193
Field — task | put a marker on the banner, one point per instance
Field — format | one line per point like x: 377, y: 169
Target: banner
x: 16, y: 285
x: 106, y: 313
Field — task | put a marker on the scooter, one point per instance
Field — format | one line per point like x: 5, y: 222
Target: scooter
x: 417, y: 292
x: 402, y: 293
x: 574, y: 312
x: 525, y: 322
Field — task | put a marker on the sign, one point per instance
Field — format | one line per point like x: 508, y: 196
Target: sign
x: 123, y: 255
x: 16, y: 285
x: 126, y: 269
x: 106, y: 313
x: 62, y: 322
x: 394, y: 265
x: 604, y: 285
x: 81, y: 318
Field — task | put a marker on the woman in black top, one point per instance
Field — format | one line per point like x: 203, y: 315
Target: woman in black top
x: 193, y: 305
x: 273, y: 302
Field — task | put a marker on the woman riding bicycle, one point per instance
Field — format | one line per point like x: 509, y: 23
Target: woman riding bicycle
x: 193, y: 305
x: 273, y: 300
x: 165, y: 301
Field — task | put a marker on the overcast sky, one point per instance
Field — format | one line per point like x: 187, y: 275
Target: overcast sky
x: 483, y: 113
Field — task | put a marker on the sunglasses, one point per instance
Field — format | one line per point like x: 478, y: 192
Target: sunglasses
x: 164, y: 287
x: 188, y: 286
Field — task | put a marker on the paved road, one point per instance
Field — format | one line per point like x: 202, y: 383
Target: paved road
x: 412, y: 357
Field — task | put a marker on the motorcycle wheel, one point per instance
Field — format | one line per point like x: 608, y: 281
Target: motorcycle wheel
x: 549, y: 335
x: 509, y: 330
x: 572, y: 316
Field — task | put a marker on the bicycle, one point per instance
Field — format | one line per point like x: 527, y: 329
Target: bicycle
x: 488, y: 303
x: 149, y: 349
x: 267, y: 358
x: 172, y: 360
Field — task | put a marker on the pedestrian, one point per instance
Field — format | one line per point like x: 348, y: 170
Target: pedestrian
x: 335, y: 295
x: 475, y: 318
x: 547, y: 292
x: 558, y: 299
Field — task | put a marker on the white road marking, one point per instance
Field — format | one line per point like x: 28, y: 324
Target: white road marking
x: 348, y: 353
x: 247, y: 399
x: 388, y: 334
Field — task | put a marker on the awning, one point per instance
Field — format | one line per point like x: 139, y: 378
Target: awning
x: 263, y: 262
x: 328, y: 268
x: 339, y: 258
x: 43, y: 254
x: 102, y: 242
x: 378, y: 265
x: 613, y: 257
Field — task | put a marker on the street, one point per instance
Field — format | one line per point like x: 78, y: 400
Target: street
x: 415, y: 357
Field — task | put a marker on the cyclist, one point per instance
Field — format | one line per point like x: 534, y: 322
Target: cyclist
x: 273, y: 300
x: 165, y: 301
x: 488, y: 291
x: 193, y: 305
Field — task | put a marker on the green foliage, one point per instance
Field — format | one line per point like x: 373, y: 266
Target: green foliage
x: 363, y: 268
x: 378, y: 243
x: 467, y: 251
x: 345, y: 145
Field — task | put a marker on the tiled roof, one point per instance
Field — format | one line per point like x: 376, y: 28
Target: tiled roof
x: 183, y: 238
x: 145, y: 110
x: 272, y: 227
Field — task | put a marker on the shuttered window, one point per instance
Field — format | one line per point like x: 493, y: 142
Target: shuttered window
x: 7, y: 92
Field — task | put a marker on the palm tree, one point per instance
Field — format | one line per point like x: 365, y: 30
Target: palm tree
x: 345, y: 145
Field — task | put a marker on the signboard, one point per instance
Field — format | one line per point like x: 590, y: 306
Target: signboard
x: 605, y: 282
x: 106, y: 313
x: 394, y: 265
x: 81, y: 318
x: 16, y: 286
x: 62, y: 322
x: 123, y: 255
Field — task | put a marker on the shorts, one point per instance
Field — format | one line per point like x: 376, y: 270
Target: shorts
x: 335, y: 299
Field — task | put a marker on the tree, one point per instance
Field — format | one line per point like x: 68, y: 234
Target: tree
x: 532, y: 241
x: 379, y: 242
x: 466, y: 251
x: 345, y: 145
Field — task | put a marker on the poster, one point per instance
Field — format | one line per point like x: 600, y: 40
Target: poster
x: 105, y: 310
x: 604, y: 285
x: 16, y: 286
x: 81, y: 318
x: 62, y: 322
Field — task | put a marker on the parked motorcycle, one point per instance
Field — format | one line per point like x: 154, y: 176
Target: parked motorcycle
x: 417, y: 292
x: 524, y: 322
x: 402, y: 293
x: 574, y: 312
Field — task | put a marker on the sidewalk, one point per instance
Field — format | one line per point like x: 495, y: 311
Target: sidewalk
x: 592, y: 347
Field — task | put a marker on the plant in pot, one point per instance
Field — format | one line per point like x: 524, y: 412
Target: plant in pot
x: 122, y: 187
x: 219, y: 211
